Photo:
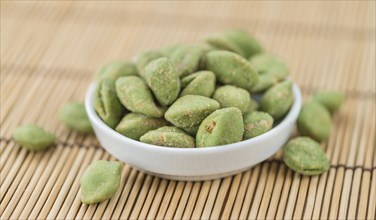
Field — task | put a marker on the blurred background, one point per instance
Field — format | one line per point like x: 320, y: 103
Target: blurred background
x: 50, y: 51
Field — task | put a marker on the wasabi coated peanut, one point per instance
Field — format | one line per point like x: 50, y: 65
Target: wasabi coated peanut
x: 192, y: 130
x: 248, y: 44
x: 33, y: 138
x: 267, y: 63
x: 106, y: 102
x: 256, y: 123
x: 223, y: 43
x: 145, y: 58
x: 189, y: 111
x: 232, y: 96
x: 162, y: 78
x: 134, y: 125
x: 266, y: 81
x: 136, y: 96
x: 231, y: 69
x: 237, y: 41
x: 187, y: 59
x: 169, y: 136
x: 199, y: 83
x: 305, y: 156
x: 314, y: 121
x: 278, y: 99
x: 117, y: 69
x: 74, y: 116
x: 253, y: 105
x: 224, y: 126
x: 332, y: 100
x: 100, y: 181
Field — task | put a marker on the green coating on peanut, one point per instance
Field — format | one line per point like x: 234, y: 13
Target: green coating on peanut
x: 199, y: 83
x: 223, y: 43
x: 33, y: 138
x: 278, y: 99
x: 106, y: 102
x: 247, y: 43
x: 332, y: 100
x: 192, y: 131
x: 145, y: 58
x: 187, y: 59
x: 134, y: 125
x: 231, y: 69
x: 253, y: 105
x: 267, y: 63
x: 117, y: 69
x: 162, y: 78
x: 256, y: 123
x: 232, y: 96
x: 266, y: 81
x: 224, y: 126
x: 136, y: 96
x: 305, y: 156
x: 100, y: 181
x: 314, y: 121
x: 189, y: 111
x: 169, y: 136
x: 74, y: 116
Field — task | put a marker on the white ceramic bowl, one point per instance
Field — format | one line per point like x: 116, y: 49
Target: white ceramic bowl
x: 194, y: 163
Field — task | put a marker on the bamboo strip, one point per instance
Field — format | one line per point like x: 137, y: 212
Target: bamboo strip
x: 233, y: 191
x: 149, y: 198
x: 201, y: 200
x: 125, y: 194
x: 167, y: 198
x: 175, y: 200
x: 183, y: 200
x: 222, y: 195
x: 152, y: 212
x: 241, y: 195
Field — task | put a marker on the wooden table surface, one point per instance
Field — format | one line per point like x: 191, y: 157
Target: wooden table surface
x: 50, y: 51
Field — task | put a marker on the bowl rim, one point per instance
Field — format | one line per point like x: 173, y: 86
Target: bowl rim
x: 290, y: 117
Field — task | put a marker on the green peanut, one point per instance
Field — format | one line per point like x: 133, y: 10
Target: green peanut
x: 106, y: 102
x: 256, y: 123
x: 74, y: 116
x: 162, y: 78
x: 314, y: 121
x: 248, y: 44
x: 187, y: 59
x: 267, y: 63
x: 231, y: 69
x: 100, y: 181
x: 222, y: 43
x: 266, y: 81
x: 136, y: 96
x: 169, y: 136
x: 145, y: 58
x: 332, y: 100
x: 278, y: 99
x: 117, y: 69
x: 224, y: 126
x: 33, y: 138
x: 189, y: 111
x: 232, y: 96
x: 199, y: 83
x: 253, y: 105
x: 134, y: 125
x: 305, y: 156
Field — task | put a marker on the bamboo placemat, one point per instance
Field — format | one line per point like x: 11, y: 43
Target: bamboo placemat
x: 50, y: 50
